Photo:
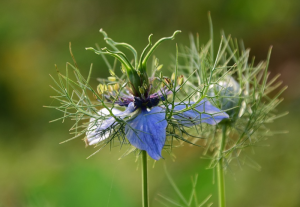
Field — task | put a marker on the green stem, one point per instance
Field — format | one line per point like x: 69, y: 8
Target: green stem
x: 220, y: 170
x: 144, y: 179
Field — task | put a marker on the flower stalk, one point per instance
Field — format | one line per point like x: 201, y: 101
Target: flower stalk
x: 145, y: 194
x: 220, y: 169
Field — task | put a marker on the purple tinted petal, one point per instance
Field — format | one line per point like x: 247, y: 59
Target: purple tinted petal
x: 203, y: 112
x: 98, y: 131
x: 147, y: 131
x: 124, y: 100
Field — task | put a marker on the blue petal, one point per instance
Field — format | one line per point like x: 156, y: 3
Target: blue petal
x: 203, y: 112
x: 99, y: 130
x: 147, y: 131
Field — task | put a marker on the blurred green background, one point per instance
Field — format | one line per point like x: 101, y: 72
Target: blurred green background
x: 36, y: 171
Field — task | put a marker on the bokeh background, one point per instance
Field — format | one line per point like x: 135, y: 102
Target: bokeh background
x: 36, y: 171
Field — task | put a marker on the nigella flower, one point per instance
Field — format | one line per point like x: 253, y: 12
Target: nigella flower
x: 148, y: 113
x: 146, y: 128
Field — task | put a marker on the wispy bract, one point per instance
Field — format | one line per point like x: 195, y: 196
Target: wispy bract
x: 244, y: 90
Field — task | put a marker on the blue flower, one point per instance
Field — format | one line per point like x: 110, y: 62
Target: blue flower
x: 144, y: 122
x: 145, y: 128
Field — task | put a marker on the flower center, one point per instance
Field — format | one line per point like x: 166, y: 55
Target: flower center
x: 146, y: 103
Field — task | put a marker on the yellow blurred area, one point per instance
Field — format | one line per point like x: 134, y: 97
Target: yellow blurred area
x: 36, y: 171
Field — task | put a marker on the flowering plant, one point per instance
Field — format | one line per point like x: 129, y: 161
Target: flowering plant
x: 148, y: 110
x: 157, y: 108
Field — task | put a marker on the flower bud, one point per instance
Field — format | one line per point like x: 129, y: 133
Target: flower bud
x: 228, y: 92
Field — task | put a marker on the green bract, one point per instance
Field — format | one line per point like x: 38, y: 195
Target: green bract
x: 237, y: 86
